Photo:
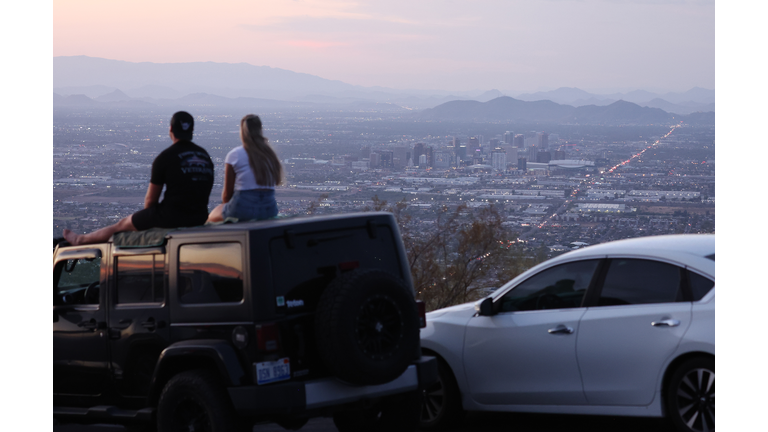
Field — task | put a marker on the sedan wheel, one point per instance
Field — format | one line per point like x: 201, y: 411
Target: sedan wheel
x: 441, y: 402
x: 691, y: 396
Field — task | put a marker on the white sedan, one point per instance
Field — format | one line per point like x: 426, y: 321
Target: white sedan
x: 622, y: 328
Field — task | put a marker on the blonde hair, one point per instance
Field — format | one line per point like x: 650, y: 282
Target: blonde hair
x: 261, y: 156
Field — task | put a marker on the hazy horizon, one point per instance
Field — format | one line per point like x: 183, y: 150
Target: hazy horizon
x: 505, y: 91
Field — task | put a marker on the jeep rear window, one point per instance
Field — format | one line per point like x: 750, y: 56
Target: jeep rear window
x: 303, y: 268
x: 210, y: 273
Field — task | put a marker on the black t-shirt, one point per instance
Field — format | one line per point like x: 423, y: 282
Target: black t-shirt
x: 186, y: 170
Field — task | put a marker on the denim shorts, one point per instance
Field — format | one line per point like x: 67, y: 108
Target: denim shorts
x: 253, y: 204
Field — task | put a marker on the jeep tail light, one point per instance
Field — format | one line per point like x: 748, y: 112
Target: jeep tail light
x: 422, y: 308
x: 349, y: 265
x: 267, y: 337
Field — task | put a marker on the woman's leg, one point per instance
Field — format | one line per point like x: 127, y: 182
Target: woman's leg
x: 100, y: 236
x: 217, y: 214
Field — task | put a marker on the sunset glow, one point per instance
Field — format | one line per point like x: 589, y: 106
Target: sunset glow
x: 462, y: 45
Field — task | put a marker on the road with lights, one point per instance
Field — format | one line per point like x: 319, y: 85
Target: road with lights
x: 587, y: 183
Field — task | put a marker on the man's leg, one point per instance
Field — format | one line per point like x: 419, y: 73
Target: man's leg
x: 101, y: 235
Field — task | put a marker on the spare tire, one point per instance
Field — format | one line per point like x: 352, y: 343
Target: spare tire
x: 367, y: 327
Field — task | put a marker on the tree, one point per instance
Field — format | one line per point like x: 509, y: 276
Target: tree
x: 315, y: 205
x: 463, y: 253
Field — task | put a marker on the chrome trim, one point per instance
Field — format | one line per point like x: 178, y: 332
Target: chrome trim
x: 78, y: 307
x: 81, y: 253
x: 666, y: 323
x: 154, y: 250
x: 561, y: 329
x: 211, y: 323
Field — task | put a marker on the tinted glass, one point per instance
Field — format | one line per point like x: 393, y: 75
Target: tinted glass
x: 559, y: 287
x: 210, y: 273
x: 700, y: 285
x: 636, y: 281
x: 140, y: 279
x: 78, y: 281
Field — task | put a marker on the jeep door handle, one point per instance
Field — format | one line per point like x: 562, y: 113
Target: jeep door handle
x: 123, y: 324
x: 561, y: 329
x: 666, y: 323
x: 92, y: 324
x: 149, y: 324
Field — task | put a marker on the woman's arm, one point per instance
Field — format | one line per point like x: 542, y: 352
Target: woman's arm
x: 229, y: 183
x: 153, y: 195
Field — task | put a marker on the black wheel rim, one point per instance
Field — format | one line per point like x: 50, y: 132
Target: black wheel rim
x: 433, y: 402
x: 379, y: 327
x: 190, y: 416
x: 696, y: 400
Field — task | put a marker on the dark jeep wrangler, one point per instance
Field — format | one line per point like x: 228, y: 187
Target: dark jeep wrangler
x: 216, y: 328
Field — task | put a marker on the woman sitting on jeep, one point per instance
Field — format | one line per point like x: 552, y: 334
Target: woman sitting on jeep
x: 251, y: 173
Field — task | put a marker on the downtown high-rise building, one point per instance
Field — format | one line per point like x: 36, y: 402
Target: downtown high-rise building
x: 519, y: 141
x: 542, y: 140
x: 499, y: 160
x: 399, y: 156
x: 418, y: 150
x: 510, y: 151
x: 473, y: 144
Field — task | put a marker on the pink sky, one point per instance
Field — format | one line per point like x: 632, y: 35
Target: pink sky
x: 455, y: 45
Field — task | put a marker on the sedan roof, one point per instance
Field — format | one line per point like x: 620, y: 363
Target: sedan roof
x: 694, y: 251
x: 701, y: 245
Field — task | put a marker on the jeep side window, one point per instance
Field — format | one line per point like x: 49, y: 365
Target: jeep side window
x: 140, y: 279
x: 77, y: 281
x: 210, y: 273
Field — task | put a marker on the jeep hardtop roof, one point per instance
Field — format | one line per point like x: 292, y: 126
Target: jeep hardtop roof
x: 159, y: 236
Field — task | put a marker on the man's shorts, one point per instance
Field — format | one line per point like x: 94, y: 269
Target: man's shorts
x: 158, y: 217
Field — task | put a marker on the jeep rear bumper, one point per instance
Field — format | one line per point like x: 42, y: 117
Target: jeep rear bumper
x: 295, y: 397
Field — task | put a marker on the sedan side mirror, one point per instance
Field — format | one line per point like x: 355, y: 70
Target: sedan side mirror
x: 484, y: 307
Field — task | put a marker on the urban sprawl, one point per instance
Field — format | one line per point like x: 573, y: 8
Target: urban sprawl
x: 557, y: 187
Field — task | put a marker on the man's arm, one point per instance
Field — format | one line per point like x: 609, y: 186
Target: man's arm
x: 229, y: 183
x: 153, y: 195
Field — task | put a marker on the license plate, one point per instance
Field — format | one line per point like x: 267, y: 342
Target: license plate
x: 268, y: 372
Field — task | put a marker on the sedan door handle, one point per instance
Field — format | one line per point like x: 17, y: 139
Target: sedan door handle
x: 666, y: 323
x: 561, y: 329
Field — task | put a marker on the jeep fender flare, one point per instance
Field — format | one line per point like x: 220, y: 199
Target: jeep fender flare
x: 207, y: 351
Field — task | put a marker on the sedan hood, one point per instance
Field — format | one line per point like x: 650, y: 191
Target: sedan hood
x: 470, y: 307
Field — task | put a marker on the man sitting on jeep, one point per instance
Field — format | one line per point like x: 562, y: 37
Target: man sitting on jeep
x: 186, y: 170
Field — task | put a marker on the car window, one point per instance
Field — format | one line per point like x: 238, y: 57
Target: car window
x: 559, y: 287
x: 638, y: 281
x: 700, y: 285
x: 140, y: 279
x: 210, y: 273
x: 77, y: 281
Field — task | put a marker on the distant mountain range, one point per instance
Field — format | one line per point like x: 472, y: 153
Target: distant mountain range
x: 693, y: 100
x: 82, y: 80
x: 507, y: 109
